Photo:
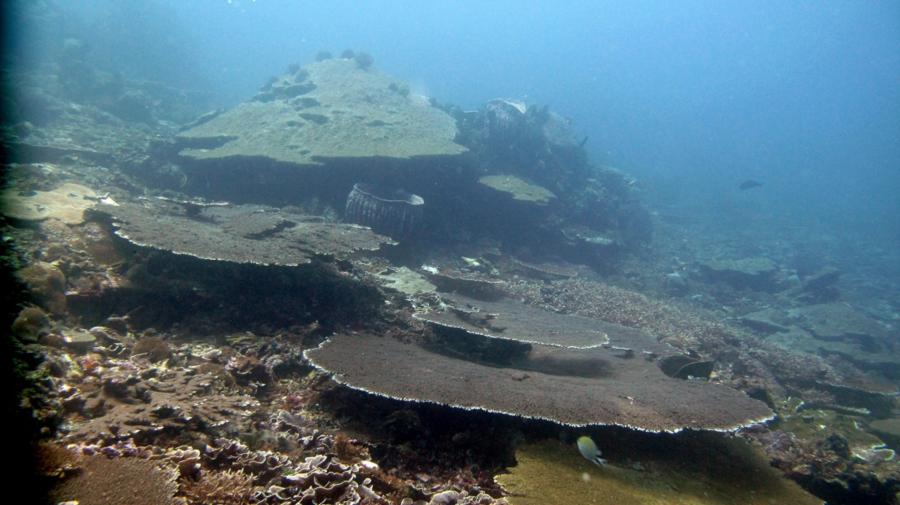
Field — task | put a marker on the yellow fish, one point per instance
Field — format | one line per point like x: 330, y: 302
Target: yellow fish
x: 589, y: 450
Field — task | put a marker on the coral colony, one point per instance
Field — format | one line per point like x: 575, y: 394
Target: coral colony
x: 340, y: 291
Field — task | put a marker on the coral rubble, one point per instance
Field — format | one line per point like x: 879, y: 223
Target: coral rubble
x: 174, y: 349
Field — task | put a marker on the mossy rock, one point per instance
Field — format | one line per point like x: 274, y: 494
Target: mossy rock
x: 728, y: 471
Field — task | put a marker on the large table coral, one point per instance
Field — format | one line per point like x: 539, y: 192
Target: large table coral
x: 237, y: 233
x: 329, y: 109
x: 509, y: 319
x: 607, y: 387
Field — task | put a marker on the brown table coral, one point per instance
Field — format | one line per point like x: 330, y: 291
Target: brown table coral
x: 237, y: 233
x: 328, y: 110
x: 610, y: 389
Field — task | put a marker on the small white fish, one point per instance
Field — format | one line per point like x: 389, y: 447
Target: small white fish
x: 589, y: 450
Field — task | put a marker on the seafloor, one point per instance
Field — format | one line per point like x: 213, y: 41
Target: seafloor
x: 168, y: 349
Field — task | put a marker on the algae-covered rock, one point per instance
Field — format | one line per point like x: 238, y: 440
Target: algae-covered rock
x: 518, y: 189
x: 331, y: 109
x: 727, y: 472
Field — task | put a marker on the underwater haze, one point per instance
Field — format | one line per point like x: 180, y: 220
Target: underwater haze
x: 452, y: 252
x: 692, y: 97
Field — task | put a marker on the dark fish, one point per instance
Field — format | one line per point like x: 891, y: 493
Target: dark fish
x: 750, y: 184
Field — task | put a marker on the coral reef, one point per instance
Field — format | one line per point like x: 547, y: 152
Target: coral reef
x: 30, y: 323
x: 186, y: 345
x: 117, y: 401
x: 348, y: 99
x: 449, y: 280
x: 235, y: 233
x: 510, y: 320
x: 609, y: 388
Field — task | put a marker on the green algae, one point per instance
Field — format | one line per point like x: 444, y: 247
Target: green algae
x: 702, y: 471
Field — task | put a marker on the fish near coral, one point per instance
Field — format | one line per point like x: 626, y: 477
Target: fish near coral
x: 589, y: 450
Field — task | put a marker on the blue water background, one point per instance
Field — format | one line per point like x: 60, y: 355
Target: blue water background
x: 691, y: 97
